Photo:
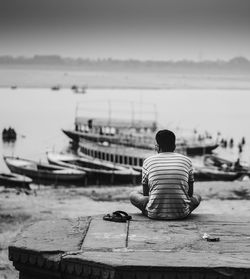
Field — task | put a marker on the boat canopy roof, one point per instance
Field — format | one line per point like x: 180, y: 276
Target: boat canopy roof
x: 116, y: 123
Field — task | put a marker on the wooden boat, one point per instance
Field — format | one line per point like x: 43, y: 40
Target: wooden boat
x: 14, y: 180
x: 214, y: 174
x: 214, y: 160
x: 226, y: 164
x: 95, y: 169
x: 194, y: 149
x: 42, y: 171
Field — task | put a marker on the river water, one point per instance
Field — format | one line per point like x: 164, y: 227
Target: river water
x: 38, y: 115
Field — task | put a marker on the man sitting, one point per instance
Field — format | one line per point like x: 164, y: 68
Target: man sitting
x: 167, y: 181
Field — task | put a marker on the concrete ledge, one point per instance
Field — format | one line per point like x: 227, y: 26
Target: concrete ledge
x: 89, y: 247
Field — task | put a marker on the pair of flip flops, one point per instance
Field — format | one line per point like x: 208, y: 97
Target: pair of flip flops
x: 117, y: 216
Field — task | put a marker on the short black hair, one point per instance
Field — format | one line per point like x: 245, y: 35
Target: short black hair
x: 166, y: 140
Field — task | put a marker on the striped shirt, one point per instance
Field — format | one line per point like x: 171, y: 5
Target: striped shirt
x: 167, y: 176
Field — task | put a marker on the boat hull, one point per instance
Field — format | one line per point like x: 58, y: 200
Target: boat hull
x: 211, y: 174
x: 15, y: 180
x: 200, y: 150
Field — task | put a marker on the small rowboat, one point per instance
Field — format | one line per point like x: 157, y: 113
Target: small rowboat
x: 43, y: 172
x: 14, y: 180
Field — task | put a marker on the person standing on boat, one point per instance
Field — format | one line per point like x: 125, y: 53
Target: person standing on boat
x: 167, y: 182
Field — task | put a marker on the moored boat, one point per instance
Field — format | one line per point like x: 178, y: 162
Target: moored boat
x: 214, y: 174
x: 14, y: 180
x: 132, y: 133
x: 43, y: 172
x: 193, y: 149
x: 95, y: 168
x: 226, y: 164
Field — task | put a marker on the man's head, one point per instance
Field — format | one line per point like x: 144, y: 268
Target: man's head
x: 165, y: 140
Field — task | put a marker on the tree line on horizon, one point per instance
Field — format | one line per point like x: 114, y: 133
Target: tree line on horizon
x: 237, y: 63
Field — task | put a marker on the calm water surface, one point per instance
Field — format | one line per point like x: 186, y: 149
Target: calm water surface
x: 38, y: 115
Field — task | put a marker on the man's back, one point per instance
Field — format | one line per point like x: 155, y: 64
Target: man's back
x: 167, y: 175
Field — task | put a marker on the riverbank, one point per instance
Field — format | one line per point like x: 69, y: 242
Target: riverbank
x: 19, y: 208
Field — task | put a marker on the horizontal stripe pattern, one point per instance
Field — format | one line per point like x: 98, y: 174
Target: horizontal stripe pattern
x: 167, y: 176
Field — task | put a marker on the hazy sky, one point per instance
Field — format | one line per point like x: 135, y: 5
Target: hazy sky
x: 140, y: 29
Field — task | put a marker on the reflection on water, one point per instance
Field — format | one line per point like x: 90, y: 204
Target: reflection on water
x: 38, y: 115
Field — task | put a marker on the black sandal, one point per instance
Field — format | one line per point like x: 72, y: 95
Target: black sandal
x: 117, y: 216
x: 124, y: 214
